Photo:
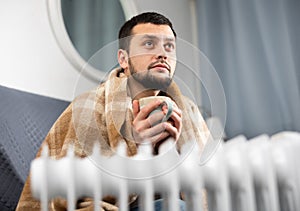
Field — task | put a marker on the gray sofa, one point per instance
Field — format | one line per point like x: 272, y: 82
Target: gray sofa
x: 25, y: 120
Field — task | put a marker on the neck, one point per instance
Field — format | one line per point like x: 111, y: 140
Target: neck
x: 137, y: 90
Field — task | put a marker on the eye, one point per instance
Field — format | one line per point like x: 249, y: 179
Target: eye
x: 169, y: 46
x: 148, y: 44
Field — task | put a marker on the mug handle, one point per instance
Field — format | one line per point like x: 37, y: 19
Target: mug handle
x: 169, y: 104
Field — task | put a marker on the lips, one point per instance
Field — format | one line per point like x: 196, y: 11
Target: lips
x: 161, y: 66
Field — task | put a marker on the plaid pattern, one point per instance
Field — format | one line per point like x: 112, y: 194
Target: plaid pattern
x: 104, y: 116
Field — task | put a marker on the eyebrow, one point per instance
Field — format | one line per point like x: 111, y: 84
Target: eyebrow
x: 149, y: 36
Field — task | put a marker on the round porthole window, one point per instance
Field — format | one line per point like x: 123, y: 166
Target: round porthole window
x: 82, y: 28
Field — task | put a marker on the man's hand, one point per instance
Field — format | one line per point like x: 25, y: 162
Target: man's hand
x: 146, y: 128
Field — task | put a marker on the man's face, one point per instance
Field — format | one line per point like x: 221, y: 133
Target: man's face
x: 152, y: 55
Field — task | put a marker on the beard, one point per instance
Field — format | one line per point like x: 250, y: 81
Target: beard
x: 149, y: 80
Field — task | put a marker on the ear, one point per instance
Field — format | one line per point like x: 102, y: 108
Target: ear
x: 123, y: 59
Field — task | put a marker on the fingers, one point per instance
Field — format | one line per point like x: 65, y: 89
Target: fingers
x: 173, y: 130
x: 156, y: 133
x: 150, y: 128
x: 141, y: 114
x: 135, y: 108
x: 149, y: 122
x: 176, y: 116
x: 176, y: 110
x: 151, y: 134
x: 175, y: 120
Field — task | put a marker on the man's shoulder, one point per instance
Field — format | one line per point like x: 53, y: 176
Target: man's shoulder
x: 188, y: 101
x: 90, y: 95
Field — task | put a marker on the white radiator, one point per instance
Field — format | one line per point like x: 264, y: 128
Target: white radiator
x: 261, y: 174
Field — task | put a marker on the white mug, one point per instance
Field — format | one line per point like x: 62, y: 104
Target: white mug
x: 165, y: 101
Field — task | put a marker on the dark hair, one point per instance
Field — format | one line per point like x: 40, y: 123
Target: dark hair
x: 147, y: 17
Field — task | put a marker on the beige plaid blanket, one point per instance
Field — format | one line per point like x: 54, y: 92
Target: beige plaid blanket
x: 104, y: 116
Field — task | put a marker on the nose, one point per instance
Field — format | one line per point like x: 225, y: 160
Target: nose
x: 162, y: 57
x: 161, y: 54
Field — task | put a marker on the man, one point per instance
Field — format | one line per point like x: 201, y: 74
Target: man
x: 110, y: 115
